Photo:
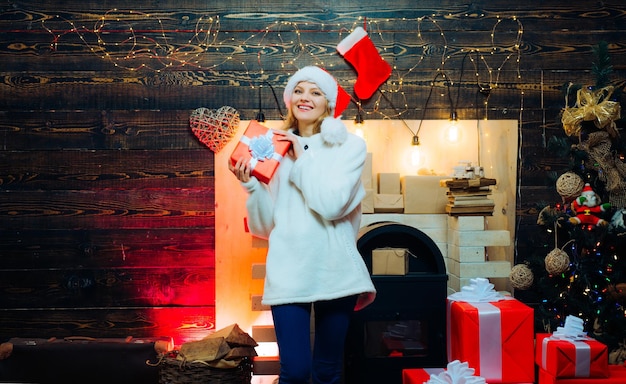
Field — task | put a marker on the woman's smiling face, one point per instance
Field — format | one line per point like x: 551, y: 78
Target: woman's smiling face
x: 308, y: 102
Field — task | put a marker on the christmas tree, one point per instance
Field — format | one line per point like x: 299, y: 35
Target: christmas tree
x: 584, y: 272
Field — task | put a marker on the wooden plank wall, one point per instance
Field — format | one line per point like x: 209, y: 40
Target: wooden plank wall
x: 107, y: 199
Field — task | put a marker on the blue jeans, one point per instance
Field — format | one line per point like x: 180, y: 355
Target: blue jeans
x: 324, y: 364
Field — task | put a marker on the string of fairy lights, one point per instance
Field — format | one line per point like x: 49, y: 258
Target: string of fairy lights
x: 211, y: 47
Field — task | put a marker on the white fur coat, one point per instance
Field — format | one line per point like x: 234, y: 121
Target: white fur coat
x: 310, y: 213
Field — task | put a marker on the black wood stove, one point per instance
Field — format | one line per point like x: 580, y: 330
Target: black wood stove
x: 405, y: 327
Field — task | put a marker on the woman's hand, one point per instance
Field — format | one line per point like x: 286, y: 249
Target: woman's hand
x: 295, y: 149
x: 241, y: 169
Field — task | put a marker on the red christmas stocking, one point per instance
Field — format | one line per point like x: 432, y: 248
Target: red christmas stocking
x: 372, y: 70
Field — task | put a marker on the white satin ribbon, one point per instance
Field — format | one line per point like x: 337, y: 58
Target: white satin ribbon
x: 490, y: 340
x: 256, y: 158
x: 582, y: 356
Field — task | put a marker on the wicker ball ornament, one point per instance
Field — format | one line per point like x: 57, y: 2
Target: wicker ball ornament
x: 521, y: 277
x: 557, y: 261
x: 569, y: 185
x: 214, y: 128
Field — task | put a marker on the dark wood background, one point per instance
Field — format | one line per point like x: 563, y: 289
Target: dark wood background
x: 106, y: 197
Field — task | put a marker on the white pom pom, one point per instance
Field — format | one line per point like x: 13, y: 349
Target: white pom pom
x: 334, y: 131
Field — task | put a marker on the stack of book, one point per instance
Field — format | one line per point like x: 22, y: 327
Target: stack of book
x: 469, y: 197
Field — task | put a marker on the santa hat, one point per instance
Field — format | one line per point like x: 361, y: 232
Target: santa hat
x: 333, y: 130
x: 587, y: 190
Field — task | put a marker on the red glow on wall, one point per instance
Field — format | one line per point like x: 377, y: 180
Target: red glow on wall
x: 183, y: 324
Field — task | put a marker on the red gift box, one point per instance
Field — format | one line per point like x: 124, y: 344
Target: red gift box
x: 571, y: 358
x: 262, y: 148
x: 495, y: 338
x: 419, y: 375
x: 616, y: 375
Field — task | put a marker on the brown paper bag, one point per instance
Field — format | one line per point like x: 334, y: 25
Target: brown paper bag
x: 390, y: 261
x: 204, y: 350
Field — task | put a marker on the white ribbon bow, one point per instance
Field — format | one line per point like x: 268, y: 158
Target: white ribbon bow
x: 571, y: 330
x: 480, y: 290
x: 456, y: 373
x: 261, y: 148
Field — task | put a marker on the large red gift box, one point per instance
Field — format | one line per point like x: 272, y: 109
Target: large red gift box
x: 262, y: 148
x: 495, y: 338
x: 419, y: 375
x: 571, y: 358
x: 616, y: 375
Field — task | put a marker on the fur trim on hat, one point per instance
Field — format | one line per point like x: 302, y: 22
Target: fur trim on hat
x: 333, y: 130
x: 324, y: 80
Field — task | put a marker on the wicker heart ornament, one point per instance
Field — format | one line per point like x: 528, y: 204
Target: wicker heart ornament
x: 214, y: 128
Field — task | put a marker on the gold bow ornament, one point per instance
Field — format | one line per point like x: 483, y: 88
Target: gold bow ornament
x: 591, y: 105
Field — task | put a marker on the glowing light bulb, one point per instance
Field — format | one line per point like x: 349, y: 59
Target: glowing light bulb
x: 416, y: 153
x: 452, y: 133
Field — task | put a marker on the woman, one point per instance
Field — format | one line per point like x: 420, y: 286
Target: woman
x: 310, y: 213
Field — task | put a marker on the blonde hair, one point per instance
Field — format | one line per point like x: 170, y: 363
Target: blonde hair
x: 292, y: 122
